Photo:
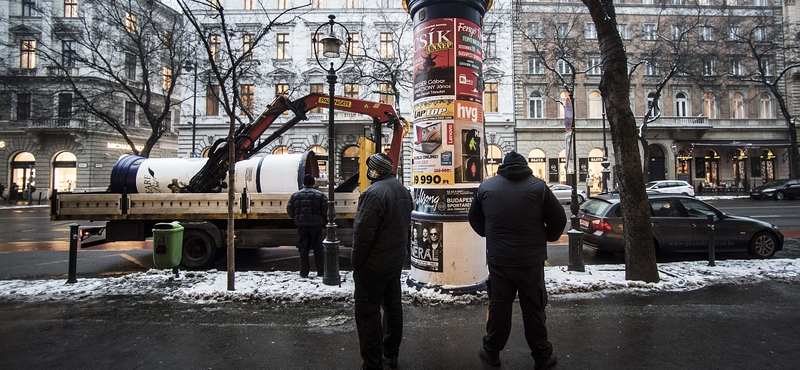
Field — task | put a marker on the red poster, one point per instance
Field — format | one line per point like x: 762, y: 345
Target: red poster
x: 469, y: 57
x: 434, y: 58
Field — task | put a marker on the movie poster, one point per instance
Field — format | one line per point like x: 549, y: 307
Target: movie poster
x: 426, y: 246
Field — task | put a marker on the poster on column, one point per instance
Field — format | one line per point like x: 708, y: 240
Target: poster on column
x: 426, y: 246
x: 469, y: 54
x: 434, y: 59
x: 442, y: 200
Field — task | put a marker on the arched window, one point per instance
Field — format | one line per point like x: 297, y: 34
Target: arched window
x: 322, y: 159
x: 536, y: 105
x: 563, y: 98
x: 767, y: 166
x: 765, y: 109
x: 681, y: 105
x: 281, y: 150
x: 712, y: 168
x: 537, y: 161
x: 349, y: 162
x: 709, y: 106
x: 65, y: 171
x: 23, y: 170
x: 562, y: 166
x: 737, y: 106
x: 494, y: 157
x: 595, y: 105
x: 595, y: 169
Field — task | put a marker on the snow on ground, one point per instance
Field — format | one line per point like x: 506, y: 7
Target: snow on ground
x: 288, y: 287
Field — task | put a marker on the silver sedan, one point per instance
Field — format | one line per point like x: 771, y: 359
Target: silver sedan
x: 564, y: 193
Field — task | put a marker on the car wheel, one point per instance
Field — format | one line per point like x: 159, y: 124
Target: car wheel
x: 199, y: 250
x: 763, y: 245
x: 580, y: 199
x: 779, y: 195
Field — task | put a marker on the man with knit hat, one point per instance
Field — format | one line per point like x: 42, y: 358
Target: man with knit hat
x: 518, y: 215
x: 309, y: 208
x: 380, y: 236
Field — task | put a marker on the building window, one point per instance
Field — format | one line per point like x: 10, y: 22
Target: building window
x: 737, y: 66
x: 247, y: 45
x: 765, y: 106
x: 353, y: 50
x: 28, y: 8
x: 535, y: 65
x: 68, y: 54
x: 563, y: 98
x: 70, y: 8
x: 247, y: 96
x: 766, y: 67
x: 562, y: 30
x: 64, y: 108
x: 734, y: 32
x: 130, y: 22
x: 709, y: 67
x: 676, y: 31
x: 23, y: 106
x: 622, y: 28
x: 352, y: 4
x: 676, y: 2
x: 653, y: 104
x: 706, y: 33
x: 593, y: 64
x: 130, y: 66
x: 563, y: 67
x: 351, y: 91
x: 533, y: 30
x: 316, y: 46
x: 760, y: 2
x: 283, y: 46
x: 705, y: 2
x: 737, y: 106
x: 591, y: 31
x: 130, y: 114
x: 760, y: 34
x: 212, y: 100
x: 709, y: 106
x: 213, y: 46
x: 316, y: 89
x: 490, y: 102
x: 732, y: 2
x: 27, y: 54
x: 386, y: 4
x: 281, y: 90
x: 387, y: 94
x: 284, y: 4
x: 649, y: 31
x: 317, y: 4
x: 166, y: 81
x: 494, y: 157
x: 595, y: 105
x: 681, y: 103
x: 535, y: 105
x: 652, y: 67
x: 387, y: 45
x: 490, y: 45
x: 249, y: 4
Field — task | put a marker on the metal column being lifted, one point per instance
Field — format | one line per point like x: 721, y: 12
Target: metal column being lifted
x: 449, y: 143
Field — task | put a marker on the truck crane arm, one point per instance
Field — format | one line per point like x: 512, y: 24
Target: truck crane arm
x: 210, y: 178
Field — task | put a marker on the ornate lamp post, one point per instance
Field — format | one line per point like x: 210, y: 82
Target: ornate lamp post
x: 331, y: 45
x: 605, y: 163
x: 190, y: 66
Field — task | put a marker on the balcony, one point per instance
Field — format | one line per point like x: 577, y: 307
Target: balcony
x: 23, y: 72
x: 59, y: 72
x: 58, y: 123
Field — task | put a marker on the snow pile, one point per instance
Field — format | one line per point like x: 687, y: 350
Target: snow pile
x: 288, y: 287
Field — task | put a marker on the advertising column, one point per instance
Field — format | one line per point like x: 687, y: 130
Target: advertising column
x: 448, y: 149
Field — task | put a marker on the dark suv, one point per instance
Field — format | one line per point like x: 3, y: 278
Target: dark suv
x: 680, y: 224
x: 778, y: 189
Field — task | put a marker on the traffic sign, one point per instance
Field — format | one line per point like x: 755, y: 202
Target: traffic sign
x: 568, y: 114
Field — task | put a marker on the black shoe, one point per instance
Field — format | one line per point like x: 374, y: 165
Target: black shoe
x: 304, y: 276
x: 391, y: 362
x: 547, y: 365
x: 491, y: 360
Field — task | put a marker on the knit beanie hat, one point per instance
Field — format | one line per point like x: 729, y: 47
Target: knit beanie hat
x: 308, y: 180
x: 378, y: 165
x: 514, y: 157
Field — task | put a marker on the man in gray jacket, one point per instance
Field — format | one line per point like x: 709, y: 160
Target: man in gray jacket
x: 380, y: 236
x: 518, y: 215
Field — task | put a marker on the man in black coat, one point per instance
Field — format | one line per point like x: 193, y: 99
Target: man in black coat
x: 309, y: 207
x: 518, y: 215
x: 380, y: 236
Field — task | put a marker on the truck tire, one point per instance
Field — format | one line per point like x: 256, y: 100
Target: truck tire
x: 199, y: 250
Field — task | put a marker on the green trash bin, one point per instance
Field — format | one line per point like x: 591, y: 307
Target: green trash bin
x: 167, y: 244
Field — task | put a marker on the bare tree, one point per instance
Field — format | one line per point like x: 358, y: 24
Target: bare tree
x: 228, y: 47
x: 640, y: 260
x: 117, y: 52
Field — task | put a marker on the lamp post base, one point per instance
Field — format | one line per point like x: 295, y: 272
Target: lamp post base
x: 575, y: 251
x: 332, y: 276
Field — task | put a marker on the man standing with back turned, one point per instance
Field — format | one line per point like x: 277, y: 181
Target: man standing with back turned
x: 380, y: 236
x: 309, y: 208
x: 518, y: 215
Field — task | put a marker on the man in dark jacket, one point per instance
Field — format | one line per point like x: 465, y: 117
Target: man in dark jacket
x: 309, y: 207
x: 380, y: 237
x: 518, y: 215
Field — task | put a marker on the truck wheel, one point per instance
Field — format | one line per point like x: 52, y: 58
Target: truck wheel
x: 199, y: 250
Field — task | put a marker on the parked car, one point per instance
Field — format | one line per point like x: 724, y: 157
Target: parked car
x: 670, y: 187
x: 564, y: 193
x: 680, y: 224
x: 778, y: 189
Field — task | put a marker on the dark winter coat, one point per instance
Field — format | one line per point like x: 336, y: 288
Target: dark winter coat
x: 518, y: 215
x: 308, y: 207
x: 381, y: 226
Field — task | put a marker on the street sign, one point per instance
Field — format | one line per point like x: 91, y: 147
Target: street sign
x: 568, y: 114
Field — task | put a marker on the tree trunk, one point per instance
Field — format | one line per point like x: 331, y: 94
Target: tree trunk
x: 640, y: 259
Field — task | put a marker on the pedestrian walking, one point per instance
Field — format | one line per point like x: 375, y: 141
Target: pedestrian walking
x: 518, y: 215
x: 380, y: 235
x: 309, y: 208
x: 2, y: 190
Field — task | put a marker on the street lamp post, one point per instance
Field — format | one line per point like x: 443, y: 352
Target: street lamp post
x: 605, y: 163
x: 190, y: 66
x: 675, y: 156
x: 331, y: 45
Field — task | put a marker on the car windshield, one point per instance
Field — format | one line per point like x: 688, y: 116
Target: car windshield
x: 595, y: 207
x: 775, y: 183
x: 651, y: 184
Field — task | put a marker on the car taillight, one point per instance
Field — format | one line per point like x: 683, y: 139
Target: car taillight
x: 601, y: 225
x: 691, y: 187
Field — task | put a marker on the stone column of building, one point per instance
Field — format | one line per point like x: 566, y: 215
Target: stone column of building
x: 449, y: 143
